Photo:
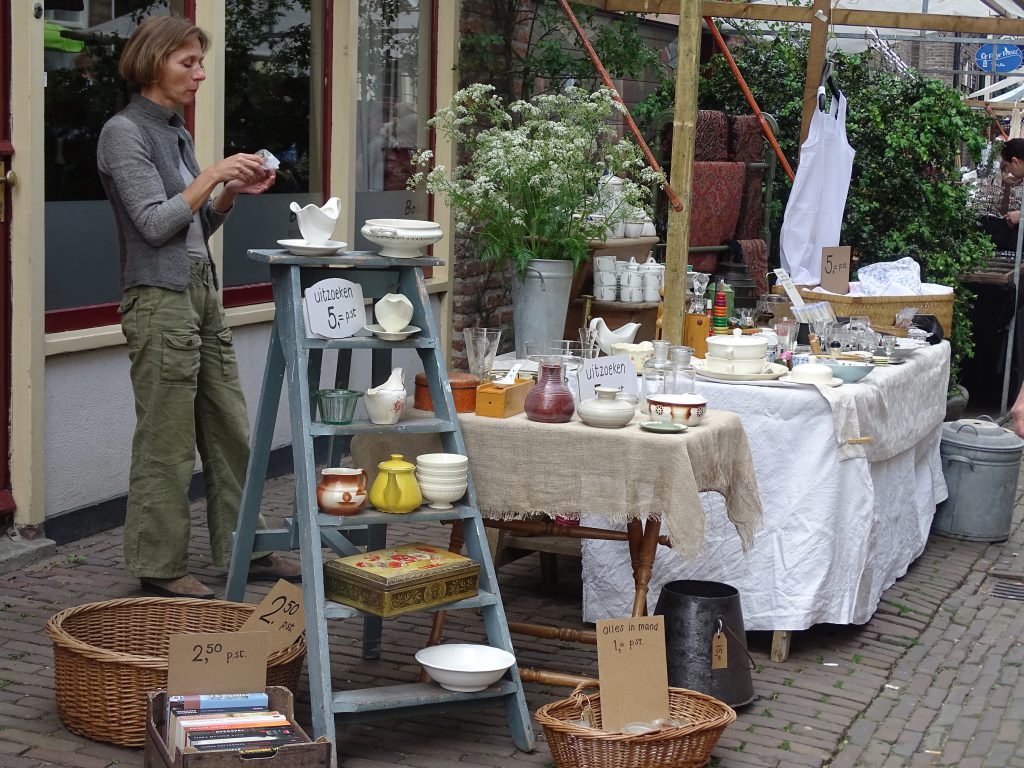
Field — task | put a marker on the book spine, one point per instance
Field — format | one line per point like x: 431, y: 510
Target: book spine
x: 268, y: 744
x: 231, y: 719
x: 232, y: 734
x: 207, y: 701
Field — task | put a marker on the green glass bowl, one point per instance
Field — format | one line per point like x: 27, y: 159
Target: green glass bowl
x: 337, y: 406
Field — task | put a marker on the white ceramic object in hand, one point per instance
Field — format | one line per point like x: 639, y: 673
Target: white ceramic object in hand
x: 401, y: 238
x: 464, y: 666
x: 385, y: 403
x: 738, y: 346
x: 606, y: 337
x: 316, y: 223
x: 720, y: 365
x: 606, y: 410
x: 393, y: 312
x: 686, y: 409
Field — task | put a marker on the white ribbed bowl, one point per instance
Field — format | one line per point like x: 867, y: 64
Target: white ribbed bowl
x: 441, y: 460
x: 442, y: 496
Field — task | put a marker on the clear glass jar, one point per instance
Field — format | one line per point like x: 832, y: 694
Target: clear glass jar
x: 655, y: 371
x: 681, y: 379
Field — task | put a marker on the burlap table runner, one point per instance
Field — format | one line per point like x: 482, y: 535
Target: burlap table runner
x: 523, y: 468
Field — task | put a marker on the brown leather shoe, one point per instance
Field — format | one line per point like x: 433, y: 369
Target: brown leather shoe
x: 273, y: 567
x: 183, y: 586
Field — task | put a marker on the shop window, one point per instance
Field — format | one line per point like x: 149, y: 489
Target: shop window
x: 268, y: 103
x: 393, y: 104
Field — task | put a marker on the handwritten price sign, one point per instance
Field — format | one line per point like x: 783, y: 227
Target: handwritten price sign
x: 334, y: 308
x: 280, y: 615
x: 217, y: 662
x: 633, y: 670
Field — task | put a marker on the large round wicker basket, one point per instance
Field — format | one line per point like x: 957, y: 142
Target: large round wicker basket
x: 689, y: 745
x: 109, y: 655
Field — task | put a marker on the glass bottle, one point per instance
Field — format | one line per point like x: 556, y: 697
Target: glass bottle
x: 654, y: 373
x: 550, y: 400
x: 681, y: 379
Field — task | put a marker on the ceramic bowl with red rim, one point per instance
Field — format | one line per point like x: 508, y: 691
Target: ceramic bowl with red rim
x: 686, y: 409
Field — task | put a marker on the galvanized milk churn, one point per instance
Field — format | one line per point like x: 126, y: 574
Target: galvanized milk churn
x: 980, y: 461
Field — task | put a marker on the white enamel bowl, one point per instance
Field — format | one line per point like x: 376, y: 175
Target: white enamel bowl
x: 464, y: 666
x: 434, y: 474
x: 442, y: 496
x: 401, y: 238
x: 439, y: 460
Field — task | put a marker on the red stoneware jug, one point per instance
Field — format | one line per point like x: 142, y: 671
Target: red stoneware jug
x: 550, y: 400
x: 341, y: 490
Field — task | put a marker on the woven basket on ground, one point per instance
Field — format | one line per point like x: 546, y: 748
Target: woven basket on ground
x: 689, y: 745
x: 109, y: 655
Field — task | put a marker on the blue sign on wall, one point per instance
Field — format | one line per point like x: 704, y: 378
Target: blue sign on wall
x: 999, y: 57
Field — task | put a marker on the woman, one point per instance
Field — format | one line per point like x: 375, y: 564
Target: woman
x: 183, y: 368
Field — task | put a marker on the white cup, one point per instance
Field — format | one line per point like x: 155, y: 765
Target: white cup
x: 605, y: 278
x: 633, y: 229
x: 605, y: 292
x: 617, y: 230
x: 631, y: 279
x: 620, y: 267
x: 652, y: 294
x: 651, y: 279
x: 604, y: 263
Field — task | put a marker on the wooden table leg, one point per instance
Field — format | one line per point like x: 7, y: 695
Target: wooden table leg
x: 643, y: 544
x: 780, y: 644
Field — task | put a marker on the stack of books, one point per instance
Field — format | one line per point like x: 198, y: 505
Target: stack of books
x: 229, y: 721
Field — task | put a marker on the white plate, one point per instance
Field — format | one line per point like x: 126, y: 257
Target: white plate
x: 380, y: 333
x: 302, y: 248
x: 789, y: 379
x: 775, y: 371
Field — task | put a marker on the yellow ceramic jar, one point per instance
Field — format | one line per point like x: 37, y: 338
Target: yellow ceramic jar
x: 395, y: 489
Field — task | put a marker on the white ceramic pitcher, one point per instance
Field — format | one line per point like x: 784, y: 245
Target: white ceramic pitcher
x: 316, y: 223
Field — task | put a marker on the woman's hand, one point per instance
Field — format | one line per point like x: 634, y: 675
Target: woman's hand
x: 257, y: 187
x: 1013, y: 218
x: 243, y: 167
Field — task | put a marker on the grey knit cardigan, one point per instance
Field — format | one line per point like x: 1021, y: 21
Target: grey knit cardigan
x: 138, y: 157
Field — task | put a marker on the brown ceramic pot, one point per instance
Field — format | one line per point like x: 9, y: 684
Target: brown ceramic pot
x: 550, y: 400
x: 463, y: 392
x: 341, y: 490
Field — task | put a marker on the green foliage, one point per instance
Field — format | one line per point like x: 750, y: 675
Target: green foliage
x: 531, y: 44
x: 909, y: 132
x: 530, y: 185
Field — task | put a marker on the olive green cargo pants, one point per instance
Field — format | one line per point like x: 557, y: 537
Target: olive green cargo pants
x: 187, y: 395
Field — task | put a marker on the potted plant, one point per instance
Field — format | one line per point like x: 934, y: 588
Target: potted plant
x: 530, y: 189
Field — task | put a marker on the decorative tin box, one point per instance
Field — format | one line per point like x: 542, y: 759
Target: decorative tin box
x: 388, y: 582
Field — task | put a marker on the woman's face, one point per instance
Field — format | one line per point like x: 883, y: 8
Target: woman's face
x: 179, y: 78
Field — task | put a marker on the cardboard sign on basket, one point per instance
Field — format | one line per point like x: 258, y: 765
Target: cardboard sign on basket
x: 280, y: 614
x: 633, y: 670
x: 835, y: 269
x: 217, y: 662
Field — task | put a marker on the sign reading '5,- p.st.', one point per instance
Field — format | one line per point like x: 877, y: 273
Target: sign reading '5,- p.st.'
x: 334, y: 308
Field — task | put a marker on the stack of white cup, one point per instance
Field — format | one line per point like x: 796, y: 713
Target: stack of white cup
x: 605, y: 278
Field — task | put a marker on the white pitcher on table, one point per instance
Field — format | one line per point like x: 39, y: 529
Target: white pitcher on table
x: 317, y: 223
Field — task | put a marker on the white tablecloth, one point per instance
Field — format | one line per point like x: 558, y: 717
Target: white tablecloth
x: 836, y: 531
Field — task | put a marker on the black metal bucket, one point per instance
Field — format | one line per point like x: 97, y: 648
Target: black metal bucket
x: 695, y: 612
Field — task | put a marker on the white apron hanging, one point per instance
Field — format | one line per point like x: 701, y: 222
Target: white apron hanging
x: 814, y: 213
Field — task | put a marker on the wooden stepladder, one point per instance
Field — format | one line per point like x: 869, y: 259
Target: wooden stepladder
x: 297, y: 357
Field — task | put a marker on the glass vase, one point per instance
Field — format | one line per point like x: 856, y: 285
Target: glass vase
x: 550, y: 400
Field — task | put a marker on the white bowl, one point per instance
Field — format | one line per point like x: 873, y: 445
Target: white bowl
x: 401, y: 238
x: 442, y: 496
x: 679, y: 409
x: 812, y: 373
x: 464, y: 666
x: 850, y: 371
x: 432, y: 473
x: 723, y: 365
x: 438, y: 460
x: 738, y: 347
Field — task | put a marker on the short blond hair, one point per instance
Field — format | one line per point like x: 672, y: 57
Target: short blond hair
x: 152, y: 43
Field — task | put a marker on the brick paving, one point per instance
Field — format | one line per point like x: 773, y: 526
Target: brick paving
x: 934, y: 679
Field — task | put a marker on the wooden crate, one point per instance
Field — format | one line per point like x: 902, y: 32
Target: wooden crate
x: 314, y: 754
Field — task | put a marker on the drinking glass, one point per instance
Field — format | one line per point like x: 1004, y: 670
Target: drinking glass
x: 588, y: 342
x: 481, y: 347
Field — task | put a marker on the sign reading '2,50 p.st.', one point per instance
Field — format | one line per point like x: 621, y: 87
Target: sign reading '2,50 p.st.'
x: 334, y: 308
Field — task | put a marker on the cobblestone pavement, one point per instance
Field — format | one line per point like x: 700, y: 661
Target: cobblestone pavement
x: 933, y: 679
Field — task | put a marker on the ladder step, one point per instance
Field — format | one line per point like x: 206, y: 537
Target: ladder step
x: 482, y: 598
x: 373, y: 516
x: 397, y: 701
x: 406, y: 426
x: 368, y: 342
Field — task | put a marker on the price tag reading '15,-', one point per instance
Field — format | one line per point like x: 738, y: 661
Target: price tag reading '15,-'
x: 334, y: 308
x: 280, y: 615
x: 835, y: 269
x: 217, y: 662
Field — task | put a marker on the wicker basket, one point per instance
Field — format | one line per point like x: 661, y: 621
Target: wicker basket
x: 881, y: 310
x: 109, y: 655
x: 687, y: 746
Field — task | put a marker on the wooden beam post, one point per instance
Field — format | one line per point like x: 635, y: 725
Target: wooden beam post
x: 684, y: 126
x: 815, y: 61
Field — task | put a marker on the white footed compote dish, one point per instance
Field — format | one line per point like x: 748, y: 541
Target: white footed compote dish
x: 393, y: 312
x: 401, y: 238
